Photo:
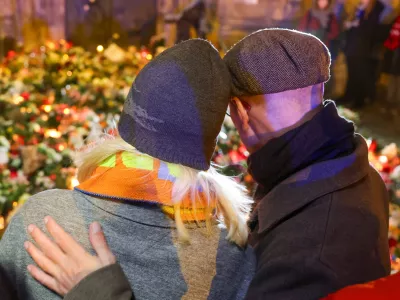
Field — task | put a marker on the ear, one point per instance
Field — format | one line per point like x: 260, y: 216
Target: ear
x: 240, y: 113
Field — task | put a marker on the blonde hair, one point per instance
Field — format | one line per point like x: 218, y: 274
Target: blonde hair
x: 232, y: 204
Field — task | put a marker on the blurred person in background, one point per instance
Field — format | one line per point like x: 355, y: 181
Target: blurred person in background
x: 321, y: 21
x: 392, y: 58
x: 363, y: 51
x: 192, y: 21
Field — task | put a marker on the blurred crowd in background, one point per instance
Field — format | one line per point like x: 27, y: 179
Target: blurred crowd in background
x: 362, y: 35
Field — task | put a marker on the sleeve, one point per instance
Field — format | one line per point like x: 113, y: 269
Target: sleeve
x: 7, y: 289
x: 292, y: 279
x: 108, y: 283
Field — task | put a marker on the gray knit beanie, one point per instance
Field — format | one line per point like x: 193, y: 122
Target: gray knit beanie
x: 176, y: 106
x: 270, y: 61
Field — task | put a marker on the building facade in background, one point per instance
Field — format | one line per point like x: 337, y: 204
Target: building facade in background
x: 135, y: 22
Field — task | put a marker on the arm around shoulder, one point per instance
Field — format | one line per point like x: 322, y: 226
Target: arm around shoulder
x: 108, y: 283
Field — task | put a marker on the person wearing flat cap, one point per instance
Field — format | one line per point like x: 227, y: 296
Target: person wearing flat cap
x: 320, y: 221
x: 320, y: 218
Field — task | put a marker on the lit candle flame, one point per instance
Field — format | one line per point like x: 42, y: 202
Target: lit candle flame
x: 53, y: 133
x: 47, y: 108
x: 383, y: 159
x: 100, y: 48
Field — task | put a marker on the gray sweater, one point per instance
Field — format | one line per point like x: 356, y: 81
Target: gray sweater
x: 145, y: 243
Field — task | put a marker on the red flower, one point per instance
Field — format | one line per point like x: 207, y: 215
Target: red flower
x: 46, y: 101
x: 25, y: 95
x: 112, y: 131
x: 53, y: 177
x: 11, y: 54
x: 392, y: 243
x: 373, y: 146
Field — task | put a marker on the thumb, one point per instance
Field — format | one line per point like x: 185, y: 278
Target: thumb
x: 99, y: 244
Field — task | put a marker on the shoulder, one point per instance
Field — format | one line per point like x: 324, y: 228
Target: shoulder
x: 48, y: 200
x: 55, y: 203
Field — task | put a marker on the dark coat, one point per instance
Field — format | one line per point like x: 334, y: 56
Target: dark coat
x: 367, y: 39
x: 391, y: 62
x: 322, y: 229
x: 7, y: 290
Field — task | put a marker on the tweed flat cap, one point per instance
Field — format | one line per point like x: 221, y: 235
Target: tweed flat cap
x: 270, y: 61
x: 176, y: 106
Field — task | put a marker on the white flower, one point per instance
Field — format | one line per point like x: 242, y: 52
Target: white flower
x: 3, y: 155
x: 396, y: 174
x: 57, y: 157
x: 4, y: 142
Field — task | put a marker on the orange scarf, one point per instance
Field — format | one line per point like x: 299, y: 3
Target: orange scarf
x: 138, y: 177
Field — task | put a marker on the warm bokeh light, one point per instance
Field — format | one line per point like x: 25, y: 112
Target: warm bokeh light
x: 47, y: 108
x: 53, y: 133
x: 74, y: 182
x: 100, y: 48
x: 383, y: 159
x: 18, y: 100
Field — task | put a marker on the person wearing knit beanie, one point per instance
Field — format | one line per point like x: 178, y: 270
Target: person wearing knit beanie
x: 321, y: 215
x: 177, y: 227
x: 176, y: 106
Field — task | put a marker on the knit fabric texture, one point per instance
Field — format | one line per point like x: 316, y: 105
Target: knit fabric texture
x: 176, y: 106
x: 271, y: 61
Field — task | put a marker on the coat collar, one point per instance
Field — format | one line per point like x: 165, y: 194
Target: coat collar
x: 311, y: 183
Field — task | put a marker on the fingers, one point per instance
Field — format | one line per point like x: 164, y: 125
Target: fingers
x: 63, y: 239
x: 99, y: 244
x: 43, y: 262
x: 49, y: 248
x: 46, y: 280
